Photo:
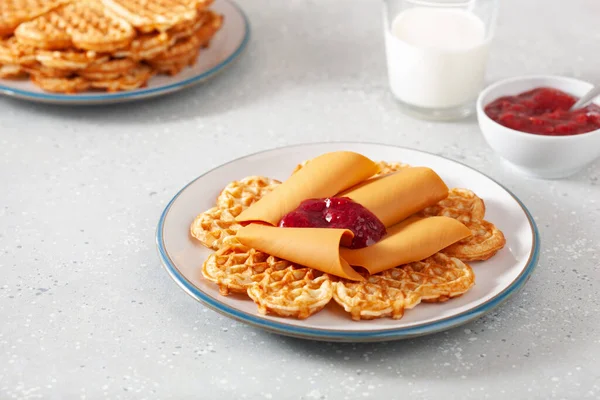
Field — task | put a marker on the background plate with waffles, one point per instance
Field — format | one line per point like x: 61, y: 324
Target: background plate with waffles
x: 81, y: 69
x: 496, y: 278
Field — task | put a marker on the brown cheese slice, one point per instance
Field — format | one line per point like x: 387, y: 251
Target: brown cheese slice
x: 323, y: 176
x: 413, y: 239
x: 396, y: 196
x: 316, y: 248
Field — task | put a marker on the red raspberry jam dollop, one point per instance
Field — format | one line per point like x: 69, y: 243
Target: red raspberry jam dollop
x: 544, y: 111
x: 337, y: 212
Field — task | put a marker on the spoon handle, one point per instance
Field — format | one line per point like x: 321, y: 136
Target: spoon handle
x: 586, y: 99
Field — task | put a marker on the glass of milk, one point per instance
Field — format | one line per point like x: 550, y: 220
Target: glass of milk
x: 437, y: 53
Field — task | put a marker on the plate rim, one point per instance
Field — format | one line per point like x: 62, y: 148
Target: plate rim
x: 282, y: 328
x: 100, y: 98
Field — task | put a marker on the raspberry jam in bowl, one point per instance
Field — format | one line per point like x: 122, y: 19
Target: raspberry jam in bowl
x: 527, y: 122
x: 544, y: 111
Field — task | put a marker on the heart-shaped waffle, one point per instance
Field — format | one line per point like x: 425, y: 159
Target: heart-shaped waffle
x: 464, y: 205
x: 291, y: 292
x: 235, y: 267
x: 376, y: 297
x: 14, y: 12
x: 461, y: 204
x: 485, y: 241
x: 239, y: 195
x: 160, y: 15
x: 214, y: 226
x: 437, y: 278
x: 85, y: 25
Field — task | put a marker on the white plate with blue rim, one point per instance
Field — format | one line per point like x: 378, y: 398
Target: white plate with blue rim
x: 226, y: 47
x: 496, y: 279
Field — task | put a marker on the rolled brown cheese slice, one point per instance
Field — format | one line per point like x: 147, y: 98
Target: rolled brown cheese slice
x: 317, y: 248
x: 394, y: 197
x: 323, y: 176
x: 413, y: 239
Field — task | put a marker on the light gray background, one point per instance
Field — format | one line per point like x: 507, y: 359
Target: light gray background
x: 86, y: 311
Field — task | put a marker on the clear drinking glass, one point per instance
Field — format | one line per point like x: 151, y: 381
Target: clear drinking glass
x: 437, y: 53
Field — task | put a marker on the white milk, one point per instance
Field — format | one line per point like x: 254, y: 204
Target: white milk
x: 436, y: 57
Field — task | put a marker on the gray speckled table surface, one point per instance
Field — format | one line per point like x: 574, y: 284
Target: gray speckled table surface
x: 87, y: 311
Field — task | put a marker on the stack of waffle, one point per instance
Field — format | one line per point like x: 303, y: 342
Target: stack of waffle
x: 70, y: 46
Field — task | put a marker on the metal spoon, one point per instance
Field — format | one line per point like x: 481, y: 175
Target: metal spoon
x: 586, y: 99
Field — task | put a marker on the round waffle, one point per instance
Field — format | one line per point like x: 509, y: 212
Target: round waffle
x: 214, y: 226
x: 437, y: 278
x: 239, y: 195
x: 484, y: 242
x: 84, y: 25
x: 291, y: 292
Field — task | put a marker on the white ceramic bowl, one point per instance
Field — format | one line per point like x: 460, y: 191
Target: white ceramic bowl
x: 538, y: 156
